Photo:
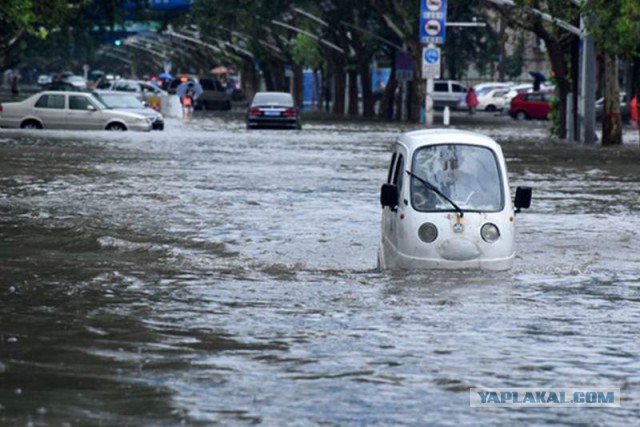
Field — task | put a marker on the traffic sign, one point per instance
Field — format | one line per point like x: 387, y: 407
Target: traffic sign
x: 433, y: 21
x: 404, y: 67
x: 431, y: 62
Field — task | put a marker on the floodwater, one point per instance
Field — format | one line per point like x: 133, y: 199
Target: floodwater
x: 209, y: 275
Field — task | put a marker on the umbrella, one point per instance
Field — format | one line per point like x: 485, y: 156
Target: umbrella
x: 182, y: 89
x: 220, y: 69
x: 538, y: 75
x: 165, y: 76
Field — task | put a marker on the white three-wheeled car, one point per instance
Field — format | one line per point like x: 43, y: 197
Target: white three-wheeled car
x: 447, y: 204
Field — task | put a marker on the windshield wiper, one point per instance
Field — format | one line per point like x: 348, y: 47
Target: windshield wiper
x: 438, y: 192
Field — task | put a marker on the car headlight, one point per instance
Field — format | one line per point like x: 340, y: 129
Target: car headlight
x: 490, y: 232
x: 428, y: 232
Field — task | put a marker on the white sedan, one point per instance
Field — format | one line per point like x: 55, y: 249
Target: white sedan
x: 68, y: 110
x: 492, y: 100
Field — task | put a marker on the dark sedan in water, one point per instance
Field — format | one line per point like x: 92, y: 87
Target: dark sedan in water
x: 274, y: 110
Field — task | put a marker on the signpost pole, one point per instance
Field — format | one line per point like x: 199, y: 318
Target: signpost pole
x: 433, y: 21
x: 428, y: 104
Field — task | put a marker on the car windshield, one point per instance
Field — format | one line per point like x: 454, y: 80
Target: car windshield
x: 120, y: 101
x: 281, y: 99
x: 98, y: 103
x: 469, y: 175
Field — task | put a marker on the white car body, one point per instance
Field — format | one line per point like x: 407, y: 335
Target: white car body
x: 44, y: 79
x: 483, y: 88
x: 478, y: 234
x: 68, y: 110
x: 449, y: 93
x: 77, y: 81
x: 517, y: 89
x: 492, y: 100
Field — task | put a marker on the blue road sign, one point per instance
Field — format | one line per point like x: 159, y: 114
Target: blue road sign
x: 431, y: 55
x: 433, y: 21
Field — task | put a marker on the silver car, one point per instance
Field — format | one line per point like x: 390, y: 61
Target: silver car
x: 143, y: 90
x: 128, y: 102
x: 68, y: 110
x: 449, y: 93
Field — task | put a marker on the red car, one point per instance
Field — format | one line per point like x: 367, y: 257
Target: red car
x: 532, y: 105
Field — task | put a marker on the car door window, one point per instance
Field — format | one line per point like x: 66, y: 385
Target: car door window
x: 148, y: 89
x: 398, y: 176
x: 78, y: 102
x: 393, y: 161
x: 440, y: 87
x: 458, y: 88
x: 51, y: 101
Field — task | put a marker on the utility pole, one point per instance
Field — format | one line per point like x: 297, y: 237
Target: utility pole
x: 587, y: 73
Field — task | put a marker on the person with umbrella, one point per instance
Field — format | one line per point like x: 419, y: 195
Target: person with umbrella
x: 188, y: 92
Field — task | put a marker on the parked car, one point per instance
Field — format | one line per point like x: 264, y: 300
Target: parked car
x: 492, y: 99
x: 532, y: 105
x: 44, y: 79
x: 129, y: 102
x: 144, y: 91
x: 515, y: 90
x: 623, y: 106
x: 78, y: 81
x: 214, y: 95
x: 483, y: 88
x: 61, y: 85
x: 449, y: 93
x: 273, y: 109
x: 446, y: 203
x: 68, y: 110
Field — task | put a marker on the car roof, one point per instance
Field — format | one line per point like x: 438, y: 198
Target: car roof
x: 424, y: 137
x: 62, y: 92
x: 113, y: 93
x: 272, y: 96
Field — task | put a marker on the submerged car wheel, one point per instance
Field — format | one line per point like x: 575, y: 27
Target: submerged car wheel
x: 31, y: 124
x: 521, y: 115
x: 117, y: 127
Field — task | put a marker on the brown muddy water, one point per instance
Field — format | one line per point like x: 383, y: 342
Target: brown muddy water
x: 209, y: 275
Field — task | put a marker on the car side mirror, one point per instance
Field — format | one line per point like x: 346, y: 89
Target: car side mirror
x: 91, y: 107
x: 523, y: 198
x: 145, y: 103
x: 389, y: 195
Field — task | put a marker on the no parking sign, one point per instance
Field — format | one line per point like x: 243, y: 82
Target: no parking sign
x: 433, y: 21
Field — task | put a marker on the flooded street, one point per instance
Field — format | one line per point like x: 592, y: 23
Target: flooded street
x: 210, y: 275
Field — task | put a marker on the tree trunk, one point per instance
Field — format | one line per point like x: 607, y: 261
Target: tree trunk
x: 353, y: 93
x: 611, y: 120
x: 387, y: 103
x: 418, y: 85
x: 575, y: 83
x: 268, y: 78
x: 314, y: 90
x: 559, y: 66
x: 339, y: 85
x: 364, y: 69
x: 297, y: 84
